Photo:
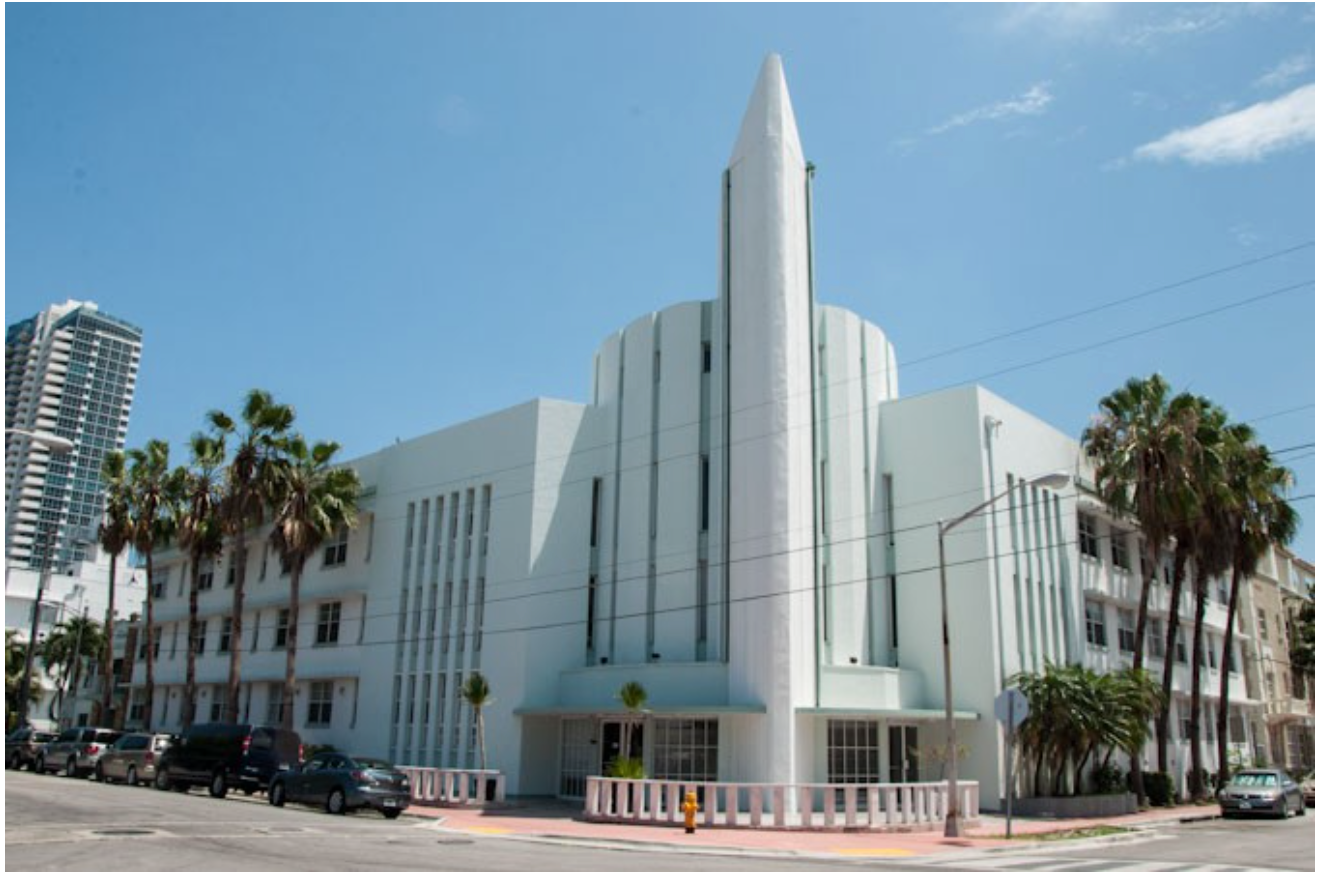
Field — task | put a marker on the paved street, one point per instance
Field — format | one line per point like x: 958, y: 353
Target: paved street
x: 56, y: 824
x: 1217, y: 845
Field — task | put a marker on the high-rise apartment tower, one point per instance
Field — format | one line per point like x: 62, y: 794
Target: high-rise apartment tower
x: 70, y: 370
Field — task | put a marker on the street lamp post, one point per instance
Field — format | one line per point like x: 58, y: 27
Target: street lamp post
x: 58, y: 446
x: 952, y: 815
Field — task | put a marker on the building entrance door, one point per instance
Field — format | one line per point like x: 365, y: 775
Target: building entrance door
x: 903, y: 754
x: 612, y: 745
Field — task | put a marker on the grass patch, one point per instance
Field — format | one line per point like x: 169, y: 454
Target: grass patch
x: 1098, y: 831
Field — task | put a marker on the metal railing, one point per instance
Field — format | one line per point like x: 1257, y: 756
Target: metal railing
x: 453, y: 786
x: 821, y: 806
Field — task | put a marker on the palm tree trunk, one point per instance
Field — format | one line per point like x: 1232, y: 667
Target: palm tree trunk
x: 190, y: 675
x: 291, y: 646
x: 1170, y: 641
x: 236, y: 626
x: 481, y: 736
x: 107, y: 651
x: 1221, y: 718
x: 1139, y: 651
x: 1039, y: 769
x: 1196, y: 785
x: 150, y: 691
x: 1081, y: 764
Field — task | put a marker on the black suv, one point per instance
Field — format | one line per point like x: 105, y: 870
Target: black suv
x: 223, y: 756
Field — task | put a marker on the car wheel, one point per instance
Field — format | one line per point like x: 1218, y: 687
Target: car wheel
x: 131, y: 779
x: 99, y: 773
x: 41, y: 765
x: 71, y: 767
x: 218, y: 785
x: 277, y: 795
x: 391, y: 814
x: 336, y: 803
x: 162, y: 779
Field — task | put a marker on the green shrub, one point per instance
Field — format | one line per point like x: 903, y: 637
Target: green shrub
x: 627, y: 769
x: 1159, y: 788
x: 1108, y: 780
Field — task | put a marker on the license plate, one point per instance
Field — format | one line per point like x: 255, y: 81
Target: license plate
x: 1244, y: 805
x: 391, y: 802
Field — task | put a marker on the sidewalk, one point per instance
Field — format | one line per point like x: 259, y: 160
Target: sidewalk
x: 550, y: 821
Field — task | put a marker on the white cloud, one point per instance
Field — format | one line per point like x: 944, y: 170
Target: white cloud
x: 1200, y: 19
x: 1135, y: 25
x: 1059, y: 20
x: 1243, y: 136
x: 1245, y: 235
x: 1031, y: 102
x: 1284, y: 72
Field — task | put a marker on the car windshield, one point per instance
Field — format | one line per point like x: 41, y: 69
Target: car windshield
x: 1256, y: 781
x: 373, y: 764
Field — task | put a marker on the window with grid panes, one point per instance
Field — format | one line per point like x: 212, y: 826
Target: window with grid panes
x: 320, y: 702
x: 1127, y: 631
x: 274, y: 704
x: 686, y: 749
x: 1087, y: 541
x: 1095, y: 623
x: 336, y: 551
x: 853, y: 750
x: 282, y: 629
x: 327, y: 623
x: 1118, y: 550
x: 1155, y: 637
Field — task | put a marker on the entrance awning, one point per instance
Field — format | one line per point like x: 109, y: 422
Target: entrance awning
x: 905, y: 714
x: 657, y: 710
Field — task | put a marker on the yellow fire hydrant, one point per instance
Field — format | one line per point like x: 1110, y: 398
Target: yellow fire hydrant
x: 690, y: 811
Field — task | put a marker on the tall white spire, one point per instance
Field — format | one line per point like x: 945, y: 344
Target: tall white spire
x: 767, y: 311
x: 769, y: 117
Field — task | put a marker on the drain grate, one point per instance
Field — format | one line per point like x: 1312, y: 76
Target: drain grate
x: 454, y: 841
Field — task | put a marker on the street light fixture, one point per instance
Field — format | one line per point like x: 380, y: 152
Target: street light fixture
x: 58, y: 446
x: 952, y: 819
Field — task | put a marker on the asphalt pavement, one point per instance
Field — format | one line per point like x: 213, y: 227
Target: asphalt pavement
x: 53, y: 823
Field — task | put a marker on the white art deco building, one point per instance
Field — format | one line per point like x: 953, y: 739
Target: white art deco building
x: 742, y: 519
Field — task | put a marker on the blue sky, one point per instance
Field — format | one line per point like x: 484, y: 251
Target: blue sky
x: 401, y: 217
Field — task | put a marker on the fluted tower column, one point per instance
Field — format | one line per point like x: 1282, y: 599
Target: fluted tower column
x: 766, y: 303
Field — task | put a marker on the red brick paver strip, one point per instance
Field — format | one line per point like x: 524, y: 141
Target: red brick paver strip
x: 564, y: 823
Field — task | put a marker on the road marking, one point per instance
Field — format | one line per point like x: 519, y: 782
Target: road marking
x: 873, y: 851
x: 488, y: 830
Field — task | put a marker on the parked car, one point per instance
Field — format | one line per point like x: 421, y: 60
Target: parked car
x: 132, y: 759
x: 1308, y: 789
x: 223, y: 757
x: 75, y: 751
x: 342, y: 782
x: 1261, y: 790
x: 22, y: 745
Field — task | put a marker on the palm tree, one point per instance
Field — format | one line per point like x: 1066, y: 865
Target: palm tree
x: 1211, y: 541
x: 476, y: 692
x: 1137, y: 445
x: 1202, y: 434
x: 15, y: 660
x: 200, y: 535
x: 152, y: 491
x: 1260, y: 517
x: 311, y: 501
x: 114, y: 536
x: 633, y: 697
x: 71, y: 643
x: 247, y: 492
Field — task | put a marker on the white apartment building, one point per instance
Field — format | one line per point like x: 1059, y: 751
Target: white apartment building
x: 742, y: 519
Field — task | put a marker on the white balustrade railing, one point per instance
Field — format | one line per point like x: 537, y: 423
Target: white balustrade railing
x: 453, y: 786
x: 878, y: 806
